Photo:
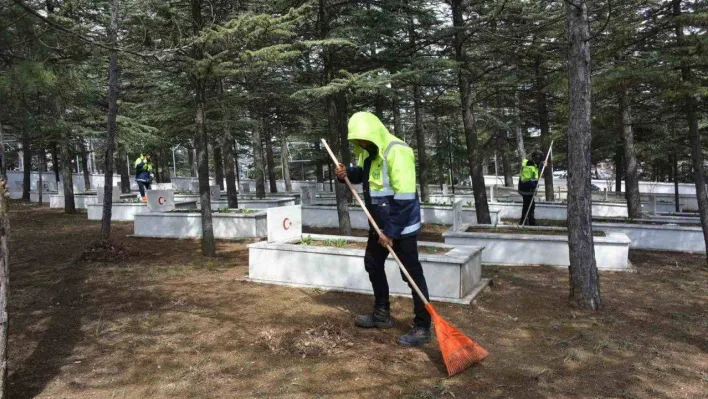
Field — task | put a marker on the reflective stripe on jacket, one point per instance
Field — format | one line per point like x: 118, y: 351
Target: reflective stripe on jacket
x: 392, y: 179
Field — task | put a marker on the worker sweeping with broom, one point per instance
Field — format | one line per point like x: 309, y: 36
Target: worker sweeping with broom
x: 386, y: 168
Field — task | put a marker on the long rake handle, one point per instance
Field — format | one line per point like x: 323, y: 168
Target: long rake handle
x: 543, y: 169
x: 376, y: 227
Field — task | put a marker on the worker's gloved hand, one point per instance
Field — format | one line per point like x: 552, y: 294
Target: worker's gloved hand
x: 341, y: 171
x: 384, y: 241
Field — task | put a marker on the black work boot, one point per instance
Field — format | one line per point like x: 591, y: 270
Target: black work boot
x: 415, y: 337
x: 380, y: 318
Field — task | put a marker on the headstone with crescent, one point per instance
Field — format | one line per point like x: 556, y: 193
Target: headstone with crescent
x: 307, y: 195
x: 284, y: 223
x: 457, y: 215
x: 49, y: 186
x: 215, y: 192
x: 246, y: 187
x: 161, y: 200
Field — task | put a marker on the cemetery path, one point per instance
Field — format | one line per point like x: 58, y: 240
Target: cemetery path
x: 167, y: 323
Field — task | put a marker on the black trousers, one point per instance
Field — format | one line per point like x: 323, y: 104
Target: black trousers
x: 407, y: 251
x: 528, y: 203
x: 142, y: 186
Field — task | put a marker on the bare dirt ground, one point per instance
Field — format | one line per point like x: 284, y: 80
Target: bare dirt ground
x: 167, y: 323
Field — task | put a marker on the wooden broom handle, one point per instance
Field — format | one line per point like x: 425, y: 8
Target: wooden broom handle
x: 376, y: 227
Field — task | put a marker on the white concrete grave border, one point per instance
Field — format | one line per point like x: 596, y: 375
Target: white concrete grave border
x: 455, y: 276
x: 227, y: 226
x: 520, y: 249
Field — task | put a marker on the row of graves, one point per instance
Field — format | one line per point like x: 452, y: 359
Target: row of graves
x: 286, y: 256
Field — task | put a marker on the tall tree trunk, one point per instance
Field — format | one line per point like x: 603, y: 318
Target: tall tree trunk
x: 69, y: 206
x: 3, y: 164
x: 544, y: 121
x: 677, y: 205
x: 333, y: 114
x: 420, y: 142
x: 123, y: 169
x: 113, y: 72
x: 397, y: 122
x: 55, y: 161
x: 4, y: 278
x: 26, y: 164
x: 167, y: 170
x: 157, y: 166
x: 258, y: 162
x: 318, y: 163
x: 508, y: 171
x: 192, y: 161
x: 519, y: 132
x: 475, y: 157
x: 42, y: 167
x: 631, y: 175
x: 65, y: 153
x: 285, y: 158
x: 619, y: 167
x: 439, y: 150
x: 584, y: 278
x: 84, y: 164
x: 270, y: 160
x: 201, y: 139
x: 691, y: 110
x: 218, y: 164
x: 229, y: 163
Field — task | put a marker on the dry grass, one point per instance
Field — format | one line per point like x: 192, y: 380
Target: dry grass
x: 171, y: 324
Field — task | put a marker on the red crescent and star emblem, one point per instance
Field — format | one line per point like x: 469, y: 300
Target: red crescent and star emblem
x: 287, y: 223
x: 161, y: 200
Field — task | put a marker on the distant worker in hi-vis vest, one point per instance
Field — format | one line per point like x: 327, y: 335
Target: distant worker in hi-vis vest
x: 386, y: 169
x: 143, y: 174
x: 528, y: 181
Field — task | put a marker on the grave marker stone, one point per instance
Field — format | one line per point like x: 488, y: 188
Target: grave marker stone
x: 215, y: 192
x: 284, y: 223
x: 307, y: 195
x: 161, y: 200
x: 246, y: 187
x: 445, y: 190
x: 115, y: 194
x: 457, y: 215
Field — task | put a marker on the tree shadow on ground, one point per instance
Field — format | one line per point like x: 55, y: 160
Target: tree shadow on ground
x: 61, y: 334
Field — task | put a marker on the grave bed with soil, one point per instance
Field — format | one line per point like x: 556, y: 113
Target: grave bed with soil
x: 649, y: 234
x: 453, y: 273
x: 326, y: 216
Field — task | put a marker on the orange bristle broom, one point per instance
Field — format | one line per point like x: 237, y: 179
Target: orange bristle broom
x: 458, y: 351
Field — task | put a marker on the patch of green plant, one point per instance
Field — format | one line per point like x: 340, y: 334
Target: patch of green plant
x: 430, y: 250
x: 248, y: 211
x: 225, y: 210
x: 306, y: 240
x: 339, y: 243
